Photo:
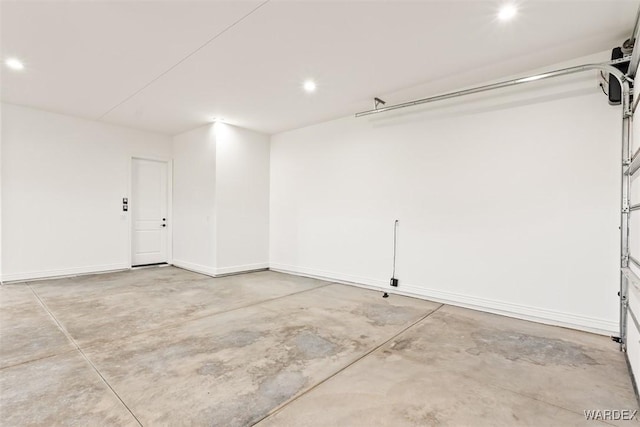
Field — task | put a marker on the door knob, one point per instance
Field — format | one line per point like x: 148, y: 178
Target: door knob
x: 164, y: 225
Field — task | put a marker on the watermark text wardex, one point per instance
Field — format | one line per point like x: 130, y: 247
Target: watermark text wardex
x: 610, y: 414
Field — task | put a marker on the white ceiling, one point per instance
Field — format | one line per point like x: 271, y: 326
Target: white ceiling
x: 170, y: 66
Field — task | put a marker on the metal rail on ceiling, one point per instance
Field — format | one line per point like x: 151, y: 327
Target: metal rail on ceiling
x: 605, y: 66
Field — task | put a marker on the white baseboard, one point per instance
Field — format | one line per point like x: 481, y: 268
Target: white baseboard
x: 45, y: 274
x: 197, y: 268
x: 518, y: 311
x: 242, y: 268
x: 329, y: 276
x: 217, y: 272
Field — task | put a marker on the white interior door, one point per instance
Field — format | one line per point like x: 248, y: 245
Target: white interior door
x: 149, y: 212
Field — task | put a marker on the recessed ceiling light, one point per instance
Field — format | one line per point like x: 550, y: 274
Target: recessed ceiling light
x: 507, y: 12
x: 14, y: 64
x: 310, y: 86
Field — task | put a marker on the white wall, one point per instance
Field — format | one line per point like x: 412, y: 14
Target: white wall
x: 221, y: 200
x: 242, y: 199
x: 63, y: 180
x: 508, y: 202
x: 194, y: 161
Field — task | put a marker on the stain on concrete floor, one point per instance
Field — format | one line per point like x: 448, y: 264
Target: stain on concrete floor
x: 383, y: 314
x: 513, y: 345
x: 314, y: 346
x: 213, y: 368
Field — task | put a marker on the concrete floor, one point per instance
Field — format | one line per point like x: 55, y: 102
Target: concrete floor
x: 164, y: 346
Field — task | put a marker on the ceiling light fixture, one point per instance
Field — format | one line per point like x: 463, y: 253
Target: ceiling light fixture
x: 310, y: 86
x: 14, y: 64
x: 507, y: 12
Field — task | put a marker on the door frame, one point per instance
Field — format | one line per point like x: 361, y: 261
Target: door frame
x: 169, y: 163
